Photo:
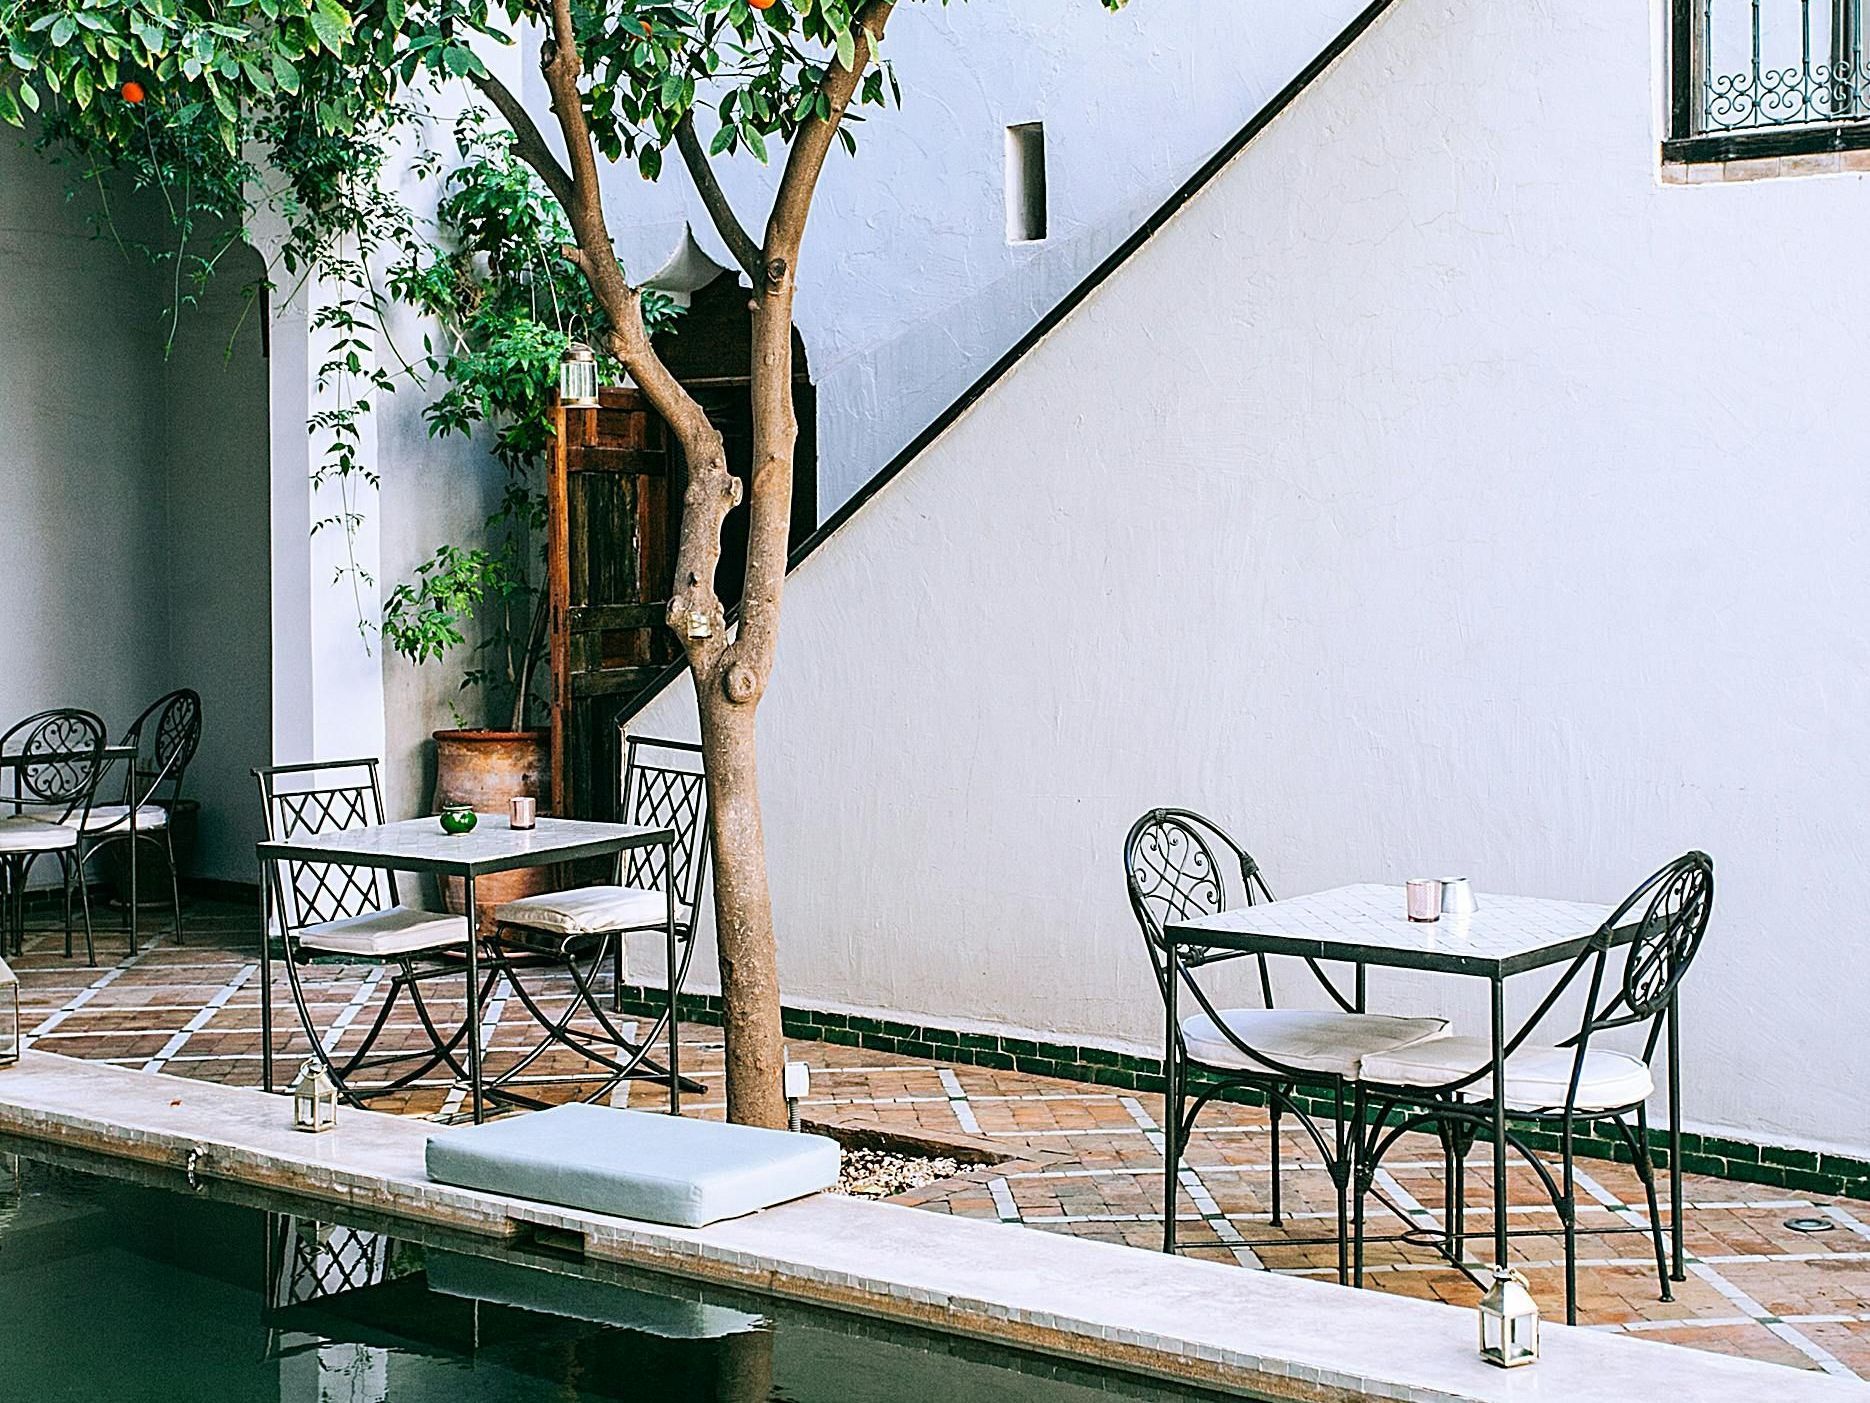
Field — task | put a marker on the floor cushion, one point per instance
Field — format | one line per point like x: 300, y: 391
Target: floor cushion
x: 632, y: 1164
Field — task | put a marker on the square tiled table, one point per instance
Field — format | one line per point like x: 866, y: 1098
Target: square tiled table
x: 420, y: 845
x: 1365, y: 925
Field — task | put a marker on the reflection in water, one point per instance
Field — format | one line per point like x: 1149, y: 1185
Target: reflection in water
x: 111, y: 1291
x: 329, y: 1282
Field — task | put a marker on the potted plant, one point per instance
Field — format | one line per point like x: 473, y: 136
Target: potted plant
x: 510, y: 303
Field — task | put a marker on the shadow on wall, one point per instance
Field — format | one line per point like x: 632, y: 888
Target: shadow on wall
x: 216, y: 552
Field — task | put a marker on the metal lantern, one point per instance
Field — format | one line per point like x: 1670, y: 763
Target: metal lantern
x: 577, y: 377
x: 314, y: 1098
x: 9, y: 1016
x: 1509, y: 1321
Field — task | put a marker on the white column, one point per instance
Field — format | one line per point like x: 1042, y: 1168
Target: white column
x: 326, y: 574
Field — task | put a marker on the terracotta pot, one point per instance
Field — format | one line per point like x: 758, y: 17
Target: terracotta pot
x: 484, y: 769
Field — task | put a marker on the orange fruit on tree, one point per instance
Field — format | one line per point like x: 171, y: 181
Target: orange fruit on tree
x: 761, y: 4
x: 133, y: 92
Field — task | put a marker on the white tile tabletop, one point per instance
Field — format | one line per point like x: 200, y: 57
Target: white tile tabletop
x: 1366, y: 923
x: 420, y: 845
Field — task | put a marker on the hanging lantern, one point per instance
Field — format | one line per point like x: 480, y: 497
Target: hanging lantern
x: 577, y: 377
x: 314, y: 1098
x: 9, y: 1016
x: 1509, y: 1321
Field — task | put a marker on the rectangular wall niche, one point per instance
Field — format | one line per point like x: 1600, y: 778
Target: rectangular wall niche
x: 1025, y: 183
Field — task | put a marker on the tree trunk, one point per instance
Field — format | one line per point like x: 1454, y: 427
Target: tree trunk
x: 743, y: 914
x: 730, y: 677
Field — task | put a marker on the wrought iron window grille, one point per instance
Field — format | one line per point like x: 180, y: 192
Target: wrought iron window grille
x: 1764, y: 78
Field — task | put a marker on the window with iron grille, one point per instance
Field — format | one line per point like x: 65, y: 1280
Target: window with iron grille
x: 1766, y: 78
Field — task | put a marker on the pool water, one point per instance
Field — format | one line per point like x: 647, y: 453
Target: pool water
x: 117, y: 1292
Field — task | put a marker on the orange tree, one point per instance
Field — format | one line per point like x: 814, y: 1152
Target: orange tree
x: 184, y: 93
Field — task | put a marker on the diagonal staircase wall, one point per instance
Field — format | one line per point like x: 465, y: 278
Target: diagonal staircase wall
x: 1441, y: 490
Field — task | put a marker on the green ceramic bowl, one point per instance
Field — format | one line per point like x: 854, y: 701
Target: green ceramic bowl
x: 458, y: 819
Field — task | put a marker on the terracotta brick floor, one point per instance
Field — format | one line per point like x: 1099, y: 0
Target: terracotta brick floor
x: 1080, y: 1159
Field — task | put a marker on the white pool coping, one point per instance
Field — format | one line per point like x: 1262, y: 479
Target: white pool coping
x: 1172, y: 1317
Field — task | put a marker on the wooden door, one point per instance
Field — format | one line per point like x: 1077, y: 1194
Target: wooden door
x: 610, y: 530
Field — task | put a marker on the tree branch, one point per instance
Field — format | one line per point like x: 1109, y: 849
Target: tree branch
x: 739, y: 242
x: 712, y: 490
x: 785, y: 227
x: 749, y: 660
x: 528, y: 141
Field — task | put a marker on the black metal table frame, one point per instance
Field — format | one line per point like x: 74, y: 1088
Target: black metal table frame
x: 468, y: 871
x: 1496, y: 970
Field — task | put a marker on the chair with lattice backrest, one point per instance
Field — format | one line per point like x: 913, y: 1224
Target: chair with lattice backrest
x: 1175, y: 872
x: 52, y: 762
x: 580, y: 931
x: 1555, y: 1086
x: 335, y: 912
x: 163, y: 739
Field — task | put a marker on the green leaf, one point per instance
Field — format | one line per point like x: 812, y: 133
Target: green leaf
x: 649, y: 162
x: 332, y: 24
x: 847, y: 48
x: 62, y: 30
x: 285, y: 73
x: 723, y: 140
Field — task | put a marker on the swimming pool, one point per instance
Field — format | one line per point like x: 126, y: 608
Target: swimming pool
x: 113, y: 1291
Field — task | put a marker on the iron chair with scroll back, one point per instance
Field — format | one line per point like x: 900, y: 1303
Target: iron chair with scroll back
x: 163, y: 739
x: 54, y: 760
x: 333, y: 911
x: 580, y: 932
x: 1180, y: 866
x: 1446, y: 1085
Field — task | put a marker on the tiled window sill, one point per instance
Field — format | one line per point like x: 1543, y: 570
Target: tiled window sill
x: 1765, y: 167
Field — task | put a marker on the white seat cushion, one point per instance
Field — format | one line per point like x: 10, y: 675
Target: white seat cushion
x: 149, y: 818
x: 631, y: 1164
x: 590, y: 911
x: 1537, y: 1078
x: 34, y: 835
x: 1309, y: 1040
x: 401, y: 930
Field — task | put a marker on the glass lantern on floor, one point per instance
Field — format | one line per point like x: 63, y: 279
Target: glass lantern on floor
x: 1509, y: 1321
x: 9, y: 1016
x: 577, y: 377
x: 314, y: 1098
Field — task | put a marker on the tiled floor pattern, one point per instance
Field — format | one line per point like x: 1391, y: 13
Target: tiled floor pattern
x: 1082, y: 1159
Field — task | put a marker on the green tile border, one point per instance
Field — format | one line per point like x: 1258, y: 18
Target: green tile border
x: 1786, y: 1167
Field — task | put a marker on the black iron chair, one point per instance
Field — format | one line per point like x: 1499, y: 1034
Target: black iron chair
x: 1446, y: 1085
x: 581, y: 931
x: 164, y: 738
x: 54, y: 760
x: 353, y: 915
x: 1173, y: 873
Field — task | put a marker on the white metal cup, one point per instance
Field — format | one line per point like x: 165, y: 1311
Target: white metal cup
x: 1424, y: 898
x: 1457, y: 897
x: 522, y: 811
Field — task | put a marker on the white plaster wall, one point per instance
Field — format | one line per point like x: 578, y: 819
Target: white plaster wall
x: 908, y: 288
x: 217, y: 557
x: 81, y: 458
x: 1440, y: 491
x: 133, y: 491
